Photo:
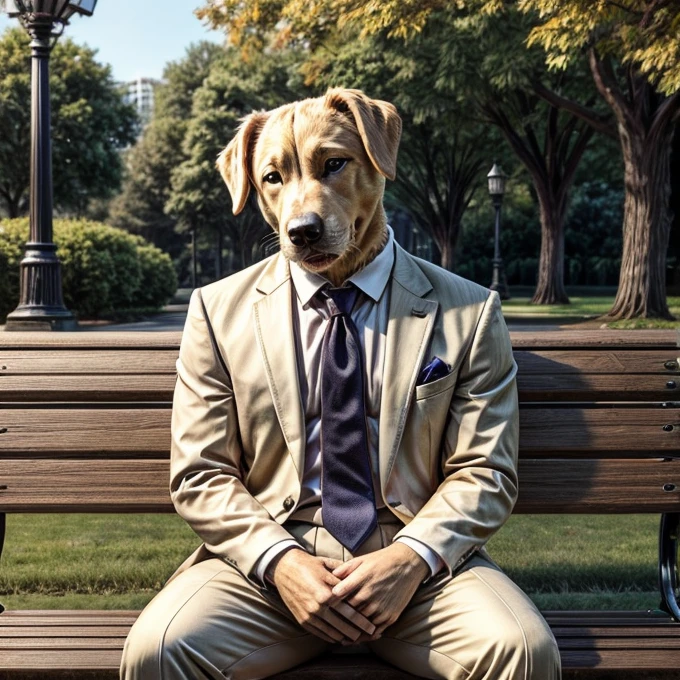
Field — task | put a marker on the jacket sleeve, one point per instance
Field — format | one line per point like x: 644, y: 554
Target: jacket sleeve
x: 205, y: 468
x: 479, y: 448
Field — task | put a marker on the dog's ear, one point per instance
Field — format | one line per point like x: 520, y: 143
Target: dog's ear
x: 234, y: 162
x: 378, y: 123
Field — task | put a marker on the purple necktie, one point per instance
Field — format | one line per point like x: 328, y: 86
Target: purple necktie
x: 347, y: 498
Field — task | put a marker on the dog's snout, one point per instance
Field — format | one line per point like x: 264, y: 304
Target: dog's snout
x: 305, y: 230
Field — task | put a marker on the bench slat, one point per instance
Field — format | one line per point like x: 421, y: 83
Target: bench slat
x: 547, y: 486
x: 159, y: 386
x: 601, y: 339
x: 153, y: 387
x: 96, y: 431
x: 547, y: 431
x: 582, y: 644
x: 594, y: 387
x: 597, y: 362
x: 145, y: 432
x: 51, y: 362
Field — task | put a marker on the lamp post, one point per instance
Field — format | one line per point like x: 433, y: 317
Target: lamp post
x: 41, y: 304
x: 497, y: 179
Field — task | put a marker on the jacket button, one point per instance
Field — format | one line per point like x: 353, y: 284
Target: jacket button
x: 288, y: 504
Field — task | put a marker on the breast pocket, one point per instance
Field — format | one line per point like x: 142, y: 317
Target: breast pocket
x: 436, y: 387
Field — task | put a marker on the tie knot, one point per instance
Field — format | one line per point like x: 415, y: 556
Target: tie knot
x: 341, y: 299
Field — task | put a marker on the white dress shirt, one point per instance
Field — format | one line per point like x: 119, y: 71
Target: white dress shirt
x: 310, y: 319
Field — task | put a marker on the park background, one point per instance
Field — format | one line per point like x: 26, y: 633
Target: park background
x: 577, y: 101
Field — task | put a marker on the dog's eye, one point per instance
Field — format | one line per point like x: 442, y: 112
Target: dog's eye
x: 334, y: 165
x: 273, y: 178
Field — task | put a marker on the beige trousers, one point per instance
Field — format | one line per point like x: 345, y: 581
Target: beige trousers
x: 210, y: 622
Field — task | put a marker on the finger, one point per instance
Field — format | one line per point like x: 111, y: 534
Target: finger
x: 317, y: 633
x: 379, y: 631
x: 357, y: 619
x: 346, y: 568
x: 348, y: 585
x: 331, y: 633
x: 368, y: 610
x: 331, y: 563
x: 347, y: 629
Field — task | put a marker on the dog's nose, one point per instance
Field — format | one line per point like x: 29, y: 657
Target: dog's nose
x: 305, y: 230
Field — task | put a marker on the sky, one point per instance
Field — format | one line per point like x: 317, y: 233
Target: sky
x: 137, y: 37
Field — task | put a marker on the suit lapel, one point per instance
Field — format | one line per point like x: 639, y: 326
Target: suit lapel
x: 410, y: 324
x: 275, y: 337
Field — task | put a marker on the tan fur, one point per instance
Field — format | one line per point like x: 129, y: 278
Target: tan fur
x: 296, y: 140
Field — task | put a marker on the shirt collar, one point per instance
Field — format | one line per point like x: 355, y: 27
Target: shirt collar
x: 371, y: 280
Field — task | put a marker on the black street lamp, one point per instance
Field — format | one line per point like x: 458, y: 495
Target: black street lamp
x: 41, y: 303
x: 496, y: 189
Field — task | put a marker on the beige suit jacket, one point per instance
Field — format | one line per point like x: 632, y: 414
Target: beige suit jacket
x: 447, y: 449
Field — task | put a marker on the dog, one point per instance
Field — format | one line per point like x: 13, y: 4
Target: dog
x: 319, y: 168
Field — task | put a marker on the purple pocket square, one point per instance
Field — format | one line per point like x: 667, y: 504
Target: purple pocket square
x: 435, y: 370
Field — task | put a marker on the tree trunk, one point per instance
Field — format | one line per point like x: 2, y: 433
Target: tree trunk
x: 646, y: 225
x: 13, y: 208
x: 550, y: 287
x: 447, y: 249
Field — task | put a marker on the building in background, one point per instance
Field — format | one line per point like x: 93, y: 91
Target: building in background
x: 140, y: 93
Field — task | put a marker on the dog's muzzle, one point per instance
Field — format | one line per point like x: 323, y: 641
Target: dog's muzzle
x: 305, y: 230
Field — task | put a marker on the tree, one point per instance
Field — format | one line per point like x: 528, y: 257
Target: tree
x: 198, y: 197
x: 140, y: 207
x: 90, y: 124
x: 632, y: 50
x: 462, y: 70
x: 443, y: 151
x: 549, y: 142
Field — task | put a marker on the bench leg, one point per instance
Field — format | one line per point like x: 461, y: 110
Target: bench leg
x: 668, y: 563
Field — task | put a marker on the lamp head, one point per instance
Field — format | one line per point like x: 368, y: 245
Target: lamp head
x: 496, y: 179
x: 58, y: 10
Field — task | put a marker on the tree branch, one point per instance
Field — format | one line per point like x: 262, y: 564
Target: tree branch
x: 606, y: 84
x: 598, y: 122
x: 666, y: 115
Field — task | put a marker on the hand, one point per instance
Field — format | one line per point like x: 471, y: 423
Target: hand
x: 305, y: 585
x: 380, y: 585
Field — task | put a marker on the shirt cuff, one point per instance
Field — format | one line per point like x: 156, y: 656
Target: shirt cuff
x: 265, y: 560
x: 432, y: 559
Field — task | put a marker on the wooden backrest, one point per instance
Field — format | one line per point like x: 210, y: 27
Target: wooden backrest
x: 85, y: 417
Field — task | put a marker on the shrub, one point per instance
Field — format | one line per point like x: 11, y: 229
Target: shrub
x: 158, y: 276
x: 103, y: 269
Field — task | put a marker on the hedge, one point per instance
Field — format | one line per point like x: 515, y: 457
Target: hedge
x: 104, y: 270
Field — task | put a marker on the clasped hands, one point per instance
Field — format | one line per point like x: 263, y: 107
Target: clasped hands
x: 348, y: 602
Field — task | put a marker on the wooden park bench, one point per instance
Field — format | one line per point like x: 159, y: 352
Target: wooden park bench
x: 84, y: 427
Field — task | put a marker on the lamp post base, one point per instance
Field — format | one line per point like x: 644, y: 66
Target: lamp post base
x: 41, y: 307
x: 40, y: 320
x: 499, y: 283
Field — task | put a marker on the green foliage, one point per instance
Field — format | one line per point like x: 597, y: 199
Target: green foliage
x: 593, y: 239
x: 13, y: 235
x: 198, y: 198
x: 90, y: 124
x: 103, y: 269
x: 140, y: 207
x: 520, y: 237
x: 158, y: 280
x: 300, y: 21
x: 592, y: 236
x: 642, y: 33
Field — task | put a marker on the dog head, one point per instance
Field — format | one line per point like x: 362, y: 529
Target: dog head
x: 319, y: 168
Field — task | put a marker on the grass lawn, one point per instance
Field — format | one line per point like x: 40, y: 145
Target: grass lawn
x: 585, y: 307
x: 120, y: 561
